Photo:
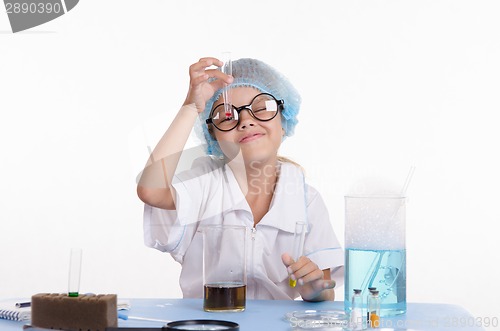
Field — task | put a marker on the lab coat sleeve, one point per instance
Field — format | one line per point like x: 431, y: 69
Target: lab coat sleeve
x: 162, y: 229
x: 172, y: 230
x: 322, y: 245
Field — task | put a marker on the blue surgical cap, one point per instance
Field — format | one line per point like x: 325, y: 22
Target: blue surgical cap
x: 261, y: 76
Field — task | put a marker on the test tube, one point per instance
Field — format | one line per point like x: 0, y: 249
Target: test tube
x: 75, y: 264
x: 227, y: 68
x: 298, y: 245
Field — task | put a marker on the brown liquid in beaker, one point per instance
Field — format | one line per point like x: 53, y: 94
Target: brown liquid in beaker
x: 224, y: 297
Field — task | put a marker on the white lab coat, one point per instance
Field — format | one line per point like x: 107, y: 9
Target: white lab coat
x: 210, y: 194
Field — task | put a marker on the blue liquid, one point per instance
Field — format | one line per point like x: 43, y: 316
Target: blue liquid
x: 383, y: 269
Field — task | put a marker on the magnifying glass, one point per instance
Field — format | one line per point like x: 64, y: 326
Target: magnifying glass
x: 202, y: 325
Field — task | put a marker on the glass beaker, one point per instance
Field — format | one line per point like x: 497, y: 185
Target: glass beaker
x: 375, y: 254
x: 224, y: 268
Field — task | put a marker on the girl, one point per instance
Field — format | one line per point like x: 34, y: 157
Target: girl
x: 242, y: 181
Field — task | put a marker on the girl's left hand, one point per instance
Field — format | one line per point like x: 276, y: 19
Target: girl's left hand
x: 310, y: 279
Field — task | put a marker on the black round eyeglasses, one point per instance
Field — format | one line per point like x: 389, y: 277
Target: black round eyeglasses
x: 263, y: 107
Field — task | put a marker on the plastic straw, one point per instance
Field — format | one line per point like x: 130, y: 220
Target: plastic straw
x: 379, y: 254
x: 407, y: 181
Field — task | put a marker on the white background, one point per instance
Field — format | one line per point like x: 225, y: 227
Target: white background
x: 385, y: 85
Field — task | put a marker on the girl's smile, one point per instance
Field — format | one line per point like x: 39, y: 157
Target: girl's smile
x: 251, y: 137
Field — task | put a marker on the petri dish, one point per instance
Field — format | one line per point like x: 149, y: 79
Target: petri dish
x: 318, y: 320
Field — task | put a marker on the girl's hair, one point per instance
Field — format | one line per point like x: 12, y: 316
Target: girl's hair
x: 284, y: 159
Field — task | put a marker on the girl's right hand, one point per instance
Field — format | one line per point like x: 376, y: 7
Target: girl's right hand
x: 200, y: 90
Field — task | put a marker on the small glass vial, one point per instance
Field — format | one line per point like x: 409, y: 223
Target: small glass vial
x: 357, y: 310
x: 374, y: 310
x: 370, y: 294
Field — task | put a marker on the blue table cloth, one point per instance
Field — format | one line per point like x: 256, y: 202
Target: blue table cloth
x: 269, y: 315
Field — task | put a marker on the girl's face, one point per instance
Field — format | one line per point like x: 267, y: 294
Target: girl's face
x: 257, y: 140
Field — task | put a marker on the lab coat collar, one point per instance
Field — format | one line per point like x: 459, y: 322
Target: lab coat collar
x: 288, y: 205
x: 289, y: 201
x: 235, y: 200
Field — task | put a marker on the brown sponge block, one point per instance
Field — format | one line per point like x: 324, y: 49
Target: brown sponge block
x: 82, y: 313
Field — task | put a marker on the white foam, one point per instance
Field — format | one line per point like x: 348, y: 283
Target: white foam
x: 375, y: 222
